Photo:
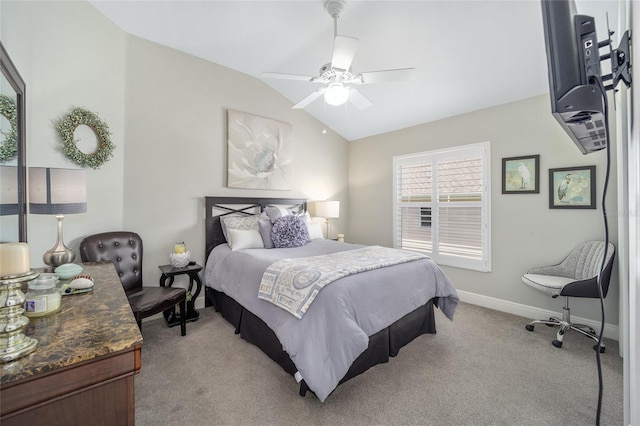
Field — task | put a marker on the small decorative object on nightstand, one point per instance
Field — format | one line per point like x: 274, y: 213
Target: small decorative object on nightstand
x: 169, y: 271
x: 180, y: 257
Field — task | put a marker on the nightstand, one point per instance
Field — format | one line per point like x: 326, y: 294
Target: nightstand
x: 170, y: 272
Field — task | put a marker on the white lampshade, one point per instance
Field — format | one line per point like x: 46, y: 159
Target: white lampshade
x: 336, y: 94
x: 328, y: 209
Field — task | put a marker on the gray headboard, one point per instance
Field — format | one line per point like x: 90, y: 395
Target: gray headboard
x: 216, y: 207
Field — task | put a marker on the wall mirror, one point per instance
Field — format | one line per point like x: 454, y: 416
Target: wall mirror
x: 13, y: 174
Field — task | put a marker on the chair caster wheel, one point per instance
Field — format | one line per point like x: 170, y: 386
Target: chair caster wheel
x: 602, y: 348
x: 557, y: 343
x: 529, y: 327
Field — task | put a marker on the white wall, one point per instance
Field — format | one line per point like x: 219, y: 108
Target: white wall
x: 525, y: 232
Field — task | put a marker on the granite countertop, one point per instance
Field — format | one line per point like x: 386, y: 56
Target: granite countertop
x: 87, y: 326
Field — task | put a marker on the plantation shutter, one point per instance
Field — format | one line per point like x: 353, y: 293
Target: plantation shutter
x: 415, y: 222
x: 442, y: 205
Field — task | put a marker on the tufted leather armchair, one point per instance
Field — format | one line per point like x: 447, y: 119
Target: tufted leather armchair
x: 124, y: 249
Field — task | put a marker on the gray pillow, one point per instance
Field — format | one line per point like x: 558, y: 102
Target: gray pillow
x: 289, y: 231
x: 265, y: 226
x: 275, y: 213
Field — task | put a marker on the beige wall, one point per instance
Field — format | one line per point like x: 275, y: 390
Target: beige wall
x: 176, y: 152
x: 524, y: 231
x: 167, y: 114
x: 69, y: 56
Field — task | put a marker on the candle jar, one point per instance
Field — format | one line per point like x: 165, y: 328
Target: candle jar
x: 43, y: 297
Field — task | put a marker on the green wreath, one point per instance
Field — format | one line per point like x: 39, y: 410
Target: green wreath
x: 66, y: 128
x: 9, y: 145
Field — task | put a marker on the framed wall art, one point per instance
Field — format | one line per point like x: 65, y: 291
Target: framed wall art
x: 572, y: 188
x: 521, y: 175
x: 260, y: 152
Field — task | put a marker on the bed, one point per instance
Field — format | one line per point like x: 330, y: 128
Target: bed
x: 346, y: 330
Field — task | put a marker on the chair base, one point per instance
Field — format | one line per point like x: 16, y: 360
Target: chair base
x: 566, y: 325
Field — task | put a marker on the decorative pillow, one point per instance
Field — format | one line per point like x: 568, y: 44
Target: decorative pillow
x: 305, y: 216
x: 235, y: 221
x: 289, y: 231
x: 315, y: 231
x: 244, y: 239
x: 265, y: 226
x: 275, y: 212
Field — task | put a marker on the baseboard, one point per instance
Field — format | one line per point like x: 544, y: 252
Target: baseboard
x: 610, y: 331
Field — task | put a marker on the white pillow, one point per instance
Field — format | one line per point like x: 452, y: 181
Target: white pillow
x: 237, y: 221
x: 306, y: 217
x: 244, y: 239
x: 315, y: 231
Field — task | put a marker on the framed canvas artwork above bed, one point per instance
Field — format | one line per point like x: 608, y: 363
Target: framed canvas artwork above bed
x: 260, y: 152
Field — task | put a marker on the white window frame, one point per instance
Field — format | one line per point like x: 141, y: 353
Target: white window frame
x: 483, y: 150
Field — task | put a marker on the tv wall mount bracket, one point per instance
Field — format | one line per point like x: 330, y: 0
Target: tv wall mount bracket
x: 620, y: 61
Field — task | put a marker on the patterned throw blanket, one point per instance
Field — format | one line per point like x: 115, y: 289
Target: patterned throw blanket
x: 293, y: 284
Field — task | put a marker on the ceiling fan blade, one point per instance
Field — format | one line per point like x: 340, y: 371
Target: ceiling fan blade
x: 386, y: 76
x: 287, y: 76
x: 358, y: 99
x: 344, y: 49
x: 312, y: 97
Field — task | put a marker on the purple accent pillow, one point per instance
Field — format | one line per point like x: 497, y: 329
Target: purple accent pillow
x: 289, y: 231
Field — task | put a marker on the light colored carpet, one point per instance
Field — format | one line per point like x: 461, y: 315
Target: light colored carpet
x: 483, y: 368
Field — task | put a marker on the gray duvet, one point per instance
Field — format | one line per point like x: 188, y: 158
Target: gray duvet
x: 334, y: 331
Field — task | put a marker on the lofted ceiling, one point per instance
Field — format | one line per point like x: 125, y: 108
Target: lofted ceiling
x: 468, y: 54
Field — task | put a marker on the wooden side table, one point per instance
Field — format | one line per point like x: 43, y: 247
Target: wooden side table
x: 170, y: 272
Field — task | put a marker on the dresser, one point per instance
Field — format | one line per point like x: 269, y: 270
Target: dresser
x: 82, y: 371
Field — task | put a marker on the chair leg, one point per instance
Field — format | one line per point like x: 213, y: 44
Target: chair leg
x: 566, y: 325
x: 183, y: 317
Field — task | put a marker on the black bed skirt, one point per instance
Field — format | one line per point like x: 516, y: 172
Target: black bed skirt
x: 382, y: 345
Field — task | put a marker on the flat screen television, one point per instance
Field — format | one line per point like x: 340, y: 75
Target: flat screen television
x: 575, y: 80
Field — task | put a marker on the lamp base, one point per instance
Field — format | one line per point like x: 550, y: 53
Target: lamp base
x: 59, y: 254
x: 58, y: 257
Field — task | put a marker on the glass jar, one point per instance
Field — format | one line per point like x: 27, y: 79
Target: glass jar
x: 43, y: 296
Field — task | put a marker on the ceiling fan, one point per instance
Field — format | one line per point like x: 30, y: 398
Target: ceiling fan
x: 337, y: 77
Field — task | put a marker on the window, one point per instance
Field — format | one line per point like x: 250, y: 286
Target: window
x: 442, y: 205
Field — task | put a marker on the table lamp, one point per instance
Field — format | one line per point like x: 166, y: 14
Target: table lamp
x: 328, y: 210
x: 57, y: 192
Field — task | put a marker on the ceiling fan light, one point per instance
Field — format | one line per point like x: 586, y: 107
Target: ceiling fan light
x: 336, y: 94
